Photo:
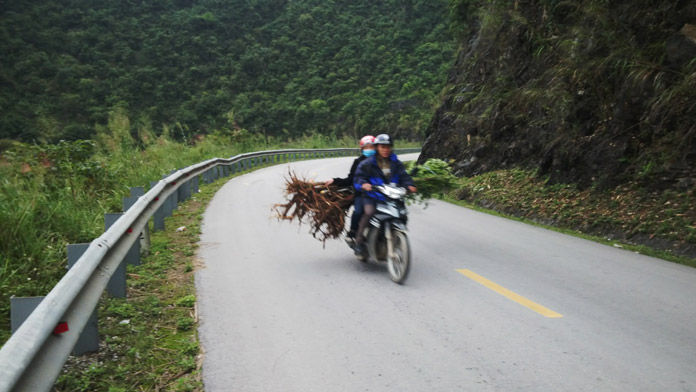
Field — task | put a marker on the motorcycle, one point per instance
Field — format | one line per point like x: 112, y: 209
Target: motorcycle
x: 386, y: 238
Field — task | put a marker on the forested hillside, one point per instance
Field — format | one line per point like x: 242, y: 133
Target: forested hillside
x: 276, y: 67
x: 590, y: 92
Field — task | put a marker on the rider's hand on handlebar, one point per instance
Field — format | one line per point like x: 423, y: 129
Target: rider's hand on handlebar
x: 366, y: 187
x: 328, y: 182
x: 412, y: 189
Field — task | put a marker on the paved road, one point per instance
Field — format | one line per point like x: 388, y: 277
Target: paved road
x: 490, y: 305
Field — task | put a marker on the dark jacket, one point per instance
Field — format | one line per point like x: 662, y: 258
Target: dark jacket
x: 348, y: 181
x: 369, y: 172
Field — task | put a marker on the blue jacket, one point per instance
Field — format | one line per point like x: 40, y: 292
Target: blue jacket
x: 369, y: 172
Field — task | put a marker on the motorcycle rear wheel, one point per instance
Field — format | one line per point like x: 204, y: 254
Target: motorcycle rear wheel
x: 399, y: 264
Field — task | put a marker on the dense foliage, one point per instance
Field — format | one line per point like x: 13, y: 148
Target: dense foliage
x: 276, y: 67
x: 433, y: 178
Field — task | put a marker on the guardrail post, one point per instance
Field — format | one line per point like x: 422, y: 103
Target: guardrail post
x: 88, y: 342
x: 20, y: 309
x: 138, y: 191
x: 173, y: 202
x: 194, y: 185
x: 143, y: 246
x: 182, y: 191
x: 158, y: 216
x: 170, y: 202
x: 132, y: 256
x: 117, y: 283
x: 187, y: 188
x: 174, y: 197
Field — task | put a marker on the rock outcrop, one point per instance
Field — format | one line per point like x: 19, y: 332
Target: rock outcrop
x: 590, y: 92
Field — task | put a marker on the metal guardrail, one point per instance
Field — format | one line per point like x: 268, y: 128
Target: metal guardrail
x: 33, y: 357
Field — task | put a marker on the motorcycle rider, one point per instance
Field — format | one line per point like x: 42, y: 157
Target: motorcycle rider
x: 383, y: 168
x: 367, y: 149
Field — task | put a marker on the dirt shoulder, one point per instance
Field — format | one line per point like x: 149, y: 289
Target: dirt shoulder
x: 661, y: 224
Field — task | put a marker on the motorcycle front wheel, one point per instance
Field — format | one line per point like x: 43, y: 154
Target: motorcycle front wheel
x: 399, y: 263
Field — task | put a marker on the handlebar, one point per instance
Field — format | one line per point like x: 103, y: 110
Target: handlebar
x: 392, y: 192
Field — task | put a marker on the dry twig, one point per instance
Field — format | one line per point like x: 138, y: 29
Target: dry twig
x: 324, y: 207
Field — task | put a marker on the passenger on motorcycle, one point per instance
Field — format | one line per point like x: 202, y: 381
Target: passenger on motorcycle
x: 383, y: 168
x: 367, y: 150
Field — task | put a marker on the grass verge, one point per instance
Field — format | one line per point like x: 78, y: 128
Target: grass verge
x: 149, y: 341
x: 659, y: 224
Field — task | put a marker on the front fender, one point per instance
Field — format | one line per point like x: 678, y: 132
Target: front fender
x: 398, y: 225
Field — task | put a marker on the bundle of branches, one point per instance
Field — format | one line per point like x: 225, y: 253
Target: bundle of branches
x: 432, y: 178
x: 323, y: 207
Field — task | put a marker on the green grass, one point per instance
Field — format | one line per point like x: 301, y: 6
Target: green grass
x: 54, y: 195
x: 149, y: 340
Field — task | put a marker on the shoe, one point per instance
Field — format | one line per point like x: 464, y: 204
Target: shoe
x: 363, y: 249
x: 360, y: 246
x: 350, y: 239
x: 360, y: 249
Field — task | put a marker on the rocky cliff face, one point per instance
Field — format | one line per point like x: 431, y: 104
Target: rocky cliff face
x: 592, y: 92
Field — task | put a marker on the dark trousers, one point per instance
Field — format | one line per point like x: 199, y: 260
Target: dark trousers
x: 357, y: 214
x: 368, y: 210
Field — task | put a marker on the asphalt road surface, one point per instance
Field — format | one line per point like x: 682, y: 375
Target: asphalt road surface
x: 490, y: 305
